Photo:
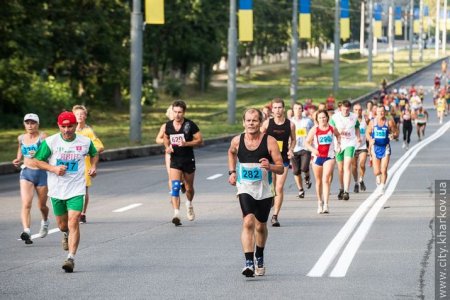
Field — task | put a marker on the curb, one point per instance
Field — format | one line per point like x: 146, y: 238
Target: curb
x: 148, y: 150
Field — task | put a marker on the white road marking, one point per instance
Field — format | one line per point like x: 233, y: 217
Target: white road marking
x: 131, y: 206
x: 340, y: 239
x: 215, y: 176
x: 341, y: 268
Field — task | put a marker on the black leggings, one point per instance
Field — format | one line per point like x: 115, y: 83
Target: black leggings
x: 407, y: 130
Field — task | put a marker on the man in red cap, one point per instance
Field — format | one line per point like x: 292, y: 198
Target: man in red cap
x: 62, y: 155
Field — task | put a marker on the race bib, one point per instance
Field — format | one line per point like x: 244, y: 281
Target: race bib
x: 380, y: 134
x: 301, y: 132
x: 251, y: 174
x: 280, y: 145
x: 402, y: 103
x: 71, y: 165
x: 325, y: 139
x: 177, y: 139
x: 345, y: 134
x: 362, y: 130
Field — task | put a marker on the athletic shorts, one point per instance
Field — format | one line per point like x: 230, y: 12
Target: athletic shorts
x: 36, y: 176
x: 259, y: 208
x: 347, y: 152
x: 359, y: 151
x: 382, y: 151
x: 321, y: 160
x: 186, y: 165
x: 300, y: 162
x: 421, y: 124
x: 60, y: 207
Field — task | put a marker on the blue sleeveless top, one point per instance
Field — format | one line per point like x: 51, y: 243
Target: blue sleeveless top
x: 380, y: 133
x: 28, y: 151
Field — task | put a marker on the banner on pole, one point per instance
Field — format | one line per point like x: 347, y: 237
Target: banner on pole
x: 345, y: 20
x: 377, y: 16
x: 245, y: 20
x: 398, y: 20
x: 304, y: 17
x: 154, y: 12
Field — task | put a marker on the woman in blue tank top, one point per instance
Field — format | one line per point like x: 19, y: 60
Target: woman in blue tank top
x: 31, y: 179
x: 379, y: 132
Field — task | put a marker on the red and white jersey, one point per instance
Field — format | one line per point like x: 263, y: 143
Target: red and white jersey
x: 323, y: 142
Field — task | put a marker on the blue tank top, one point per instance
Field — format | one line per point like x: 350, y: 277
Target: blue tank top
x: 29, y: 150
x: 380, y: 134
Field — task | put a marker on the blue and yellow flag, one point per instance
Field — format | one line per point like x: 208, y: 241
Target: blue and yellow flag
x: 398, y: 20
x: 304, y: 9
x: 345, y: 19
x: 245, y: 20
x: 377, y: 15
x: 154, y: 11
x: 416, y: 18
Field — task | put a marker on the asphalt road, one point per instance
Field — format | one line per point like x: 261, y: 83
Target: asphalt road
x: 370, y: 247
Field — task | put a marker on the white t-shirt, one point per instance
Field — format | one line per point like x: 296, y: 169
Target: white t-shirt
x: 346, y: 127
x: 302, y: 127
x: 72, y: 154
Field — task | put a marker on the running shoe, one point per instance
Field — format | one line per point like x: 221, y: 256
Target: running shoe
x: 44, y: 229
x: 190, y: 213
x: 340, y: 194
x: 68, y: 265
x: 249, y: 269
x: 356, y: 189
x: 382, y: 189
x: 325, y: 209
x: 260, y: 270
x: 404, y: 145
x: 301, y: 193
x: 176, y: 220
x: 25, y: 236
x: 362, y: 186
x: 319, y: 209
x: 274, y: 221
x: 308, y: 183
x: 83, y: 219
x: 345, y: 196
x: 65, y: 241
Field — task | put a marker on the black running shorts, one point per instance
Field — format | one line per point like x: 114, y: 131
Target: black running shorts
x: 186, y: 165
x: 259, y: 208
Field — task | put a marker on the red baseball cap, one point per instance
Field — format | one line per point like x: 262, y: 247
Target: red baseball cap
x: 67, y: 118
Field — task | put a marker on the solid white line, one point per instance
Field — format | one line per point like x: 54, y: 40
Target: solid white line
x: 339, y: 240
x: 215, y: 176
x: 341, y: 268
x: 128, y: 207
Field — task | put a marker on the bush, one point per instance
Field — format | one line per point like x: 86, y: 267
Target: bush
x: 173, y: 87
x: 48, y: 98
x: 149, y: 94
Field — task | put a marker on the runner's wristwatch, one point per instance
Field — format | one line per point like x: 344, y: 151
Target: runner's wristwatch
x: 231, y: 172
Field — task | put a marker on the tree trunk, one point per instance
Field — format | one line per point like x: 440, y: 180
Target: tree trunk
x: 117, y: 96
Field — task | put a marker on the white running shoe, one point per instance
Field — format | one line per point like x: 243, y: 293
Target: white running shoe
x: 404, y: 145
x: 325, y: 209
x: 320, y: 209
x: 378, y: 179
x: 44, y: 229
x: 190, y: 213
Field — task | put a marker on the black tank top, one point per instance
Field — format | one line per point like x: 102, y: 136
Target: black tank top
x: 253, y: 156
x: 281, y: 133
